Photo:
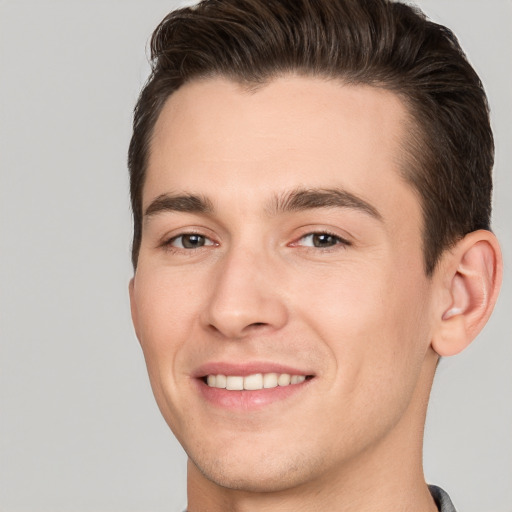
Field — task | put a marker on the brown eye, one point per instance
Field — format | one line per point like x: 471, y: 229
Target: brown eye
x: 324, y: 240
x: 321, y: 240
x: 190, y: 241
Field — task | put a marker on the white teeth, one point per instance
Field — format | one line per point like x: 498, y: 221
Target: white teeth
x: 284, y: 379
x: 270, y: 380
x: 253, y: 382
x: 220, y: 381
x: 234, y: 383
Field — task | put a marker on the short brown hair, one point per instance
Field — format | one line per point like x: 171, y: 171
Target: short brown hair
x: 449, y: 154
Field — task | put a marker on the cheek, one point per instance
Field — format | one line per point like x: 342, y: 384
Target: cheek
x: 373, y: 323
x: 165, y: 317
x: 163, y: 301
x: 370, y: 325
x: 164, y: 311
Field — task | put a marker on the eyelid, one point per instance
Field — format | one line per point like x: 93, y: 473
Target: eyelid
x: 167, y: 240
x: 171, y: 240
x: 341, y: 241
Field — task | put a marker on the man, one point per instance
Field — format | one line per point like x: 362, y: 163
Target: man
x: 310, y: 182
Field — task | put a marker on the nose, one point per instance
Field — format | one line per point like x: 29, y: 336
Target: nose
x: 247, y: 296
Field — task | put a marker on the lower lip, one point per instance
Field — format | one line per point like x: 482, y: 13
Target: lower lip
x: 249, y: 400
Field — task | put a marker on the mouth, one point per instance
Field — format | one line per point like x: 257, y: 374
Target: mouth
x: 253, y: 382
x: 250, y: 386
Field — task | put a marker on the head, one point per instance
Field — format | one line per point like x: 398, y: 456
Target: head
x: 449, y: 154
x: 311, y: 185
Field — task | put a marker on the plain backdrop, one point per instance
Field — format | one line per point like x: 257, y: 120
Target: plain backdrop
x: 79, y: 429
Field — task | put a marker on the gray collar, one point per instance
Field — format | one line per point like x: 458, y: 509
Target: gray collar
x: 443, y: 501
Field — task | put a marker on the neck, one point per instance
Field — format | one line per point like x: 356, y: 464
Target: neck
x: 386, y: 477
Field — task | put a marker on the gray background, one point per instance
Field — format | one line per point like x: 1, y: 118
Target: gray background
x: 79, y: 430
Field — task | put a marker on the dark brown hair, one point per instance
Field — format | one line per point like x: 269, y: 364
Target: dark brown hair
x: 449, y: 154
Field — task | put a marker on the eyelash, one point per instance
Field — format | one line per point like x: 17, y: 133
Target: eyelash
x: 340, y: 242
x: 167, y: 244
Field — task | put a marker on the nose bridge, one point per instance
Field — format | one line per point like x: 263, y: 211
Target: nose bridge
x: 245, y: 293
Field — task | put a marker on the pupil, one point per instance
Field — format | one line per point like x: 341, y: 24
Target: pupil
x: 323, y: 240
x: 193, y: 241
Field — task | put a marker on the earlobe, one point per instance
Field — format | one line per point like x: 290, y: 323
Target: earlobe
x: 471, y: 281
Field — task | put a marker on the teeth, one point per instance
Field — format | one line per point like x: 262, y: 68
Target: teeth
x: 270, y: 380
x: 253, y: 382
x: 220, y: 380
x: 234, y: 383
x: 284, y: 379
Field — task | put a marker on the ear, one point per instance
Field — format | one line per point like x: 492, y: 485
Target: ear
x: 469, y: 280
x: 133, y: 306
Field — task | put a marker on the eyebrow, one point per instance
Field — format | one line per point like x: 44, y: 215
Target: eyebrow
x: 306, y: 199
x: 293, y: 201
x: 188, y: 203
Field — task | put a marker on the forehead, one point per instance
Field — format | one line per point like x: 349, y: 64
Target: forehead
x: 215, y: 136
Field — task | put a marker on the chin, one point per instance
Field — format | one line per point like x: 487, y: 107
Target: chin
x: 259, y: 473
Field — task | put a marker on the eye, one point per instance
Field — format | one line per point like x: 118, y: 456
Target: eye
x: 190, y: 241
x: 321, y: 240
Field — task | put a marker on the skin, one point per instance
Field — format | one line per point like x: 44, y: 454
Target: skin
x: 358, y: 313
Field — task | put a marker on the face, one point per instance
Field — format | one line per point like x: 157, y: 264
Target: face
x: 280, y: 297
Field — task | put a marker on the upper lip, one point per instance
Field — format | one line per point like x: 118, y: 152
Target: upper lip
x: 247, y: 368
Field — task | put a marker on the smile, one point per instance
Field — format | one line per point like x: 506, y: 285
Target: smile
x: 251, y: 385
x: 253, y: 382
